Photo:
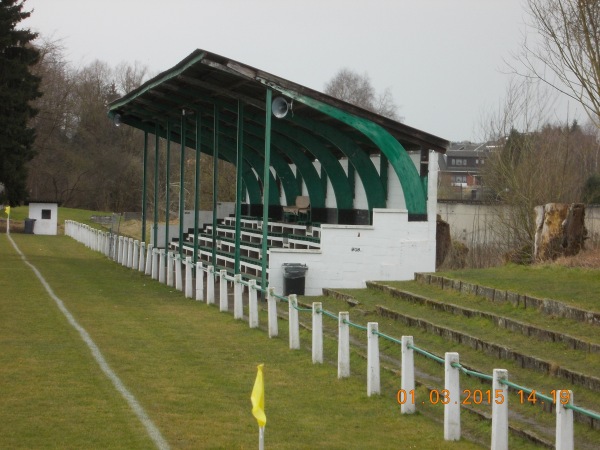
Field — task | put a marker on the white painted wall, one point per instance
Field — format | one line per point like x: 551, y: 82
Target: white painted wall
x: 44, y: 226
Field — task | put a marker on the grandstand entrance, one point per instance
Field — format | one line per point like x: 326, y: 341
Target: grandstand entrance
x: 318, y: 181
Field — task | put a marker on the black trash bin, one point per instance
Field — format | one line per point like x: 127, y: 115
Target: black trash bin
x: 294, y: 277
x: 29, y: 224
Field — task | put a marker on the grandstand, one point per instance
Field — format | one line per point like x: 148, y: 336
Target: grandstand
x: 320, y: 182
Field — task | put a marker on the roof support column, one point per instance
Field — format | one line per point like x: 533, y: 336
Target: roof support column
x: 144, y: 184
x: 265, y: 221
x: 181, y: 183
x: 215, y: 181
x: 156, y: 147
x: 238, y: 184
x: 168, y: 186
x: 197, y: 183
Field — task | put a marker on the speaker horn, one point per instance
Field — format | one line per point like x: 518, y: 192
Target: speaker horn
x: 280, y: 107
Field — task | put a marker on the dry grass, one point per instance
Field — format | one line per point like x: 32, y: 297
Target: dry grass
x: 587, y: 259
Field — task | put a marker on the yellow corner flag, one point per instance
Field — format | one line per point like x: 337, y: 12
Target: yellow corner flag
x: 7, y: 210
x: 258, y: 398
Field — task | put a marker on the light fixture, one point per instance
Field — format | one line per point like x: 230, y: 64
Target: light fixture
x: 117, y: 120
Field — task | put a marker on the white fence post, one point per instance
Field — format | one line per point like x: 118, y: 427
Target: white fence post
x: 142, y: 262
x: 373, y: 375
x: 499, y: 410
x: 170, y: 277
x: 155, y: 263
x: 343, y: 345
x: 407, y: 381
x: 223, y: 300
x: 238, y: 303
x: 564, y: 422
x: 199, y: 281
x: 210, y: 285
x: 252, y: 305
x: 272, y: 310
x: 452, y: 406
x: 293, y: 322
x: 124, y: 248
x: 149, y: 256
x: 178, y: 275
x: 130, y: 253
x: 317, y: 333
x: 188, y: 277
x: 136, y: 255
x: 161, y: 266
x: 119, y: 250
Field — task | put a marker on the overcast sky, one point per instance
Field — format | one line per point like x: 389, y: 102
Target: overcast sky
x: 443, y: 59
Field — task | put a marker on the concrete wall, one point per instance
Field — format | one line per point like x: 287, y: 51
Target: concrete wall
x: 47, y: 226
x: 474, y: 224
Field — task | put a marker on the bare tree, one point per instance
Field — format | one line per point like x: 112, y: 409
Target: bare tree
x: 357, y: 89
x: 534, y: 163
x: 567, y: 56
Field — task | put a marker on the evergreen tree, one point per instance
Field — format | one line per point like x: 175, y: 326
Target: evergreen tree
x: 18, y: 87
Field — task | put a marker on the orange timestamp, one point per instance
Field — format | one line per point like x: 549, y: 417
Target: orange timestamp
x: 479, y: 396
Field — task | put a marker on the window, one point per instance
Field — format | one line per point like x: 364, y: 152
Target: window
x: 453, y: 162
x: 464, y: 162
x: 46, y: 214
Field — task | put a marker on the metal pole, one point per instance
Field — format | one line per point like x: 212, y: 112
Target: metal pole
x: 267, y: 174
x: 181, y: 183
x: 156, y: 148
x: 168, y: 187
x: 144, y: 183
x: 238, y: 184
x: 197, y: 184
x: 215, y: 182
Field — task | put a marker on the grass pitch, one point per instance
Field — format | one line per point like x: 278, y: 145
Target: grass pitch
x: 191, y: 367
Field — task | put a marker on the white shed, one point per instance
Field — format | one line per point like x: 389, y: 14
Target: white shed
x: 46, y: 217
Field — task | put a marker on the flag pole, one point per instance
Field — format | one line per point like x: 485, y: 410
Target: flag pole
x: 258, y: 406
x: 261, y: 438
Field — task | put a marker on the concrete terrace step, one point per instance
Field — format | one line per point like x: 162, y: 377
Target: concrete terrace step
x: 489, y: 348
x: 545, y: 306
x: 526, y: 329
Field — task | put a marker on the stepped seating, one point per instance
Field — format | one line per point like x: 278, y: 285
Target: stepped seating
x: 544, y: 355
x: 280, y: 235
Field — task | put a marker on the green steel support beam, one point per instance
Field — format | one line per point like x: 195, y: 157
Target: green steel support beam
x: 415, y: 194
x: 228, y: 154
x: 383, y: 173
x: 266, y: 179
x: 144, y: 185
x: 324, y: 179
x: 168, y: 185
x: 293, y: 150
x: 181, y: 183
x: 332, y: 166
x: 156, y: 150
x: 198, y: 147
x: 356, y: 157
x: 352, y: 178
x: 215, y: 182
x: 238, y: 185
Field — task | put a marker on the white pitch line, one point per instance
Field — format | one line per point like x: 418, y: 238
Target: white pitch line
x: 152, y: 430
